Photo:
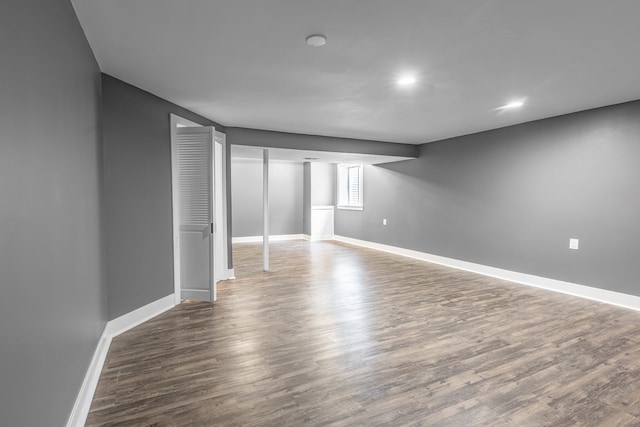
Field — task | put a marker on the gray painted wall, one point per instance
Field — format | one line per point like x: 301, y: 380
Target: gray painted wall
x: 265, y: 138
x: 512, y: 198
x: 137, y: 189
x: 52, y: 291
x: 285, y: 197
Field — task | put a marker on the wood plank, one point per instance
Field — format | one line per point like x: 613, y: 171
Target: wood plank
x: 340, y: 335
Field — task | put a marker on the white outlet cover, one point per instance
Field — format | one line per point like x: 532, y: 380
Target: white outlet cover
x: 573, y: 243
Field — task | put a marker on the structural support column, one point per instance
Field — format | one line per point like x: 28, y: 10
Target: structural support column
x: 265, y: 210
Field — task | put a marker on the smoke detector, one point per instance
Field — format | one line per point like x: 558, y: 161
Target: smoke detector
x: 316, y: 40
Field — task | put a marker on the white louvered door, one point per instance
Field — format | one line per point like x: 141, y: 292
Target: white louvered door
x: 194, y: 149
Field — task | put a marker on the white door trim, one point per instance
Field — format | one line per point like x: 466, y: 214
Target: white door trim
x: 221, y: 186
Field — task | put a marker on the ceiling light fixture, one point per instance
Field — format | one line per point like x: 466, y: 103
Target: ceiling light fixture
x: 512, y: 105
x: 316, y: 40
x: 311, y: 159
x: 407, y: 80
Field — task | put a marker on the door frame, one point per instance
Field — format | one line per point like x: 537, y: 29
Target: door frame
x: 220, y: 218
x: 220, y: 186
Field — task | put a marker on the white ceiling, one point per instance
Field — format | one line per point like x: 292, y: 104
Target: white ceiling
x: 245, y: 62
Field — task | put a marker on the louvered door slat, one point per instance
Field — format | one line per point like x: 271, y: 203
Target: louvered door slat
x: 194, y: 177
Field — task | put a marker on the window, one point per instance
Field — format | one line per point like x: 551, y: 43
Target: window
x: 350, y: 187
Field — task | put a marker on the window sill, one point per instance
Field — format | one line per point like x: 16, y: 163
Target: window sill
x: 351, y: 208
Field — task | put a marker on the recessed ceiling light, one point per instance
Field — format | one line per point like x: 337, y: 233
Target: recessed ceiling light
x: 316, y: 40
x: 406, y: 80
x: 310, y: 158
x: 512, y: 105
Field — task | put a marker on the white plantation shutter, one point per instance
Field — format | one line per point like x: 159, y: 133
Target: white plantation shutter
x: 350, y: 187
x: 195, y: 177
x: 354, y: 185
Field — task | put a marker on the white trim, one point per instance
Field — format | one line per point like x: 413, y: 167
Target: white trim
x: 601, y: 295
x: 130, y: 320
x: 221, y: 138
x: 231, y: 275
x: 257, y: 239
x: 83, y: 401
x: 174, y: 121
x: 281, y: 237
x: 316, y: 238
x: 112, y: 329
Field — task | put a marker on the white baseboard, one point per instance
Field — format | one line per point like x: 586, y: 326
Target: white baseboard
x: 130, y: 320
x: 315, y: 238
x: 602, y: 295
x: 275, y: 238
x: 231, y: 275
x: 112, y: 329
x: 82, y: 405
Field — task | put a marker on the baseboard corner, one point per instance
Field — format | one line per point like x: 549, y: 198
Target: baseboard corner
x: 80, y: 411
x: 113, y: 328
x: 132, y: 319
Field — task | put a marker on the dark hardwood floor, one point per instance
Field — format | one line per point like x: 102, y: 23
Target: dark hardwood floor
x: 343, y: 336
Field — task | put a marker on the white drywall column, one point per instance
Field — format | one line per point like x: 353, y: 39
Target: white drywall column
x: 265, y: 210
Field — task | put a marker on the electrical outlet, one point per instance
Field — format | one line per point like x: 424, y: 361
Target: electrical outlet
x: 573, y: 243
x: 384, y: 221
